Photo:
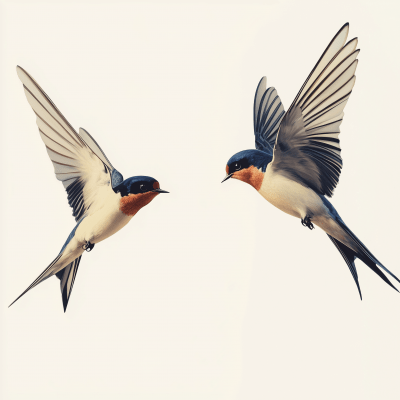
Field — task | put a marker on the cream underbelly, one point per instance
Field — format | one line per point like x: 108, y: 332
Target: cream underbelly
x: 101, y: 225
x: 300, y: 201
x: 289, y: 196
x: 94, y: 228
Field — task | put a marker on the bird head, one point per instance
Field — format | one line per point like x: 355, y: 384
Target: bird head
x: 136, y: 192
x: 248, y: 166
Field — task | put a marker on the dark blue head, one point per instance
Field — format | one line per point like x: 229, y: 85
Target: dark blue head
x: 248, y: 166
x: 246, y: 158
x: 137, y: 192
x: 138, y: 184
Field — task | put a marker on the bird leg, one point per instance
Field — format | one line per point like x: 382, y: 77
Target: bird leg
x: 88, y: 246
x: 307, y: 222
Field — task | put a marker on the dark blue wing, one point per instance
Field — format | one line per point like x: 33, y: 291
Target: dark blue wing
x: 268, y: 114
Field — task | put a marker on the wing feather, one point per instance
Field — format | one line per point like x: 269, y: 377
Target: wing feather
x: 327, y: 57
x: 78, y: 161
x: 332, y: 85
x: 61, y: 158
x: 307, y: 147
x: 268, y: 113
x: 332, y: 77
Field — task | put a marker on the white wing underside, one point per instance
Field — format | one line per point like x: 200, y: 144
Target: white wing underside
x: 307, y: 147
x: 78, y: 161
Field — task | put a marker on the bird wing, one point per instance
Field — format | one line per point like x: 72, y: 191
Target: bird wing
x: 307, y: 148
x: 268, y: 113
x: 79, y: 162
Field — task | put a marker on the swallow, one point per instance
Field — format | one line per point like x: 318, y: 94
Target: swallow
x: 102, y: 201
x: 297, y: 161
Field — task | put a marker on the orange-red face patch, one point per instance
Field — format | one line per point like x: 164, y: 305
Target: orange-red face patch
x: 156, y: 185
x: 132, y: 203
x: 227, y: 170
x: 252, y: 175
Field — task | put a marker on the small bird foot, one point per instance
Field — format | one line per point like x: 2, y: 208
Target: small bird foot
x: 88, y: 246
x: 307, y: 222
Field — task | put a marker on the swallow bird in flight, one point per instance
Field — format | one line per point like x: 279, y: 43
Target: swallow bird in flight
x: 102, y: 201
x: 297, y: 162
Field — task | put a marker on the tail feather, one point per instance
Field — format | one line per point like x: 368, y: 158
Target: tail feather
x: 363, y: 254
x: 67, y: 279
x: 349, y: 256
x: 47, y: 273
x: 367, y: 253
x: 374, y: 268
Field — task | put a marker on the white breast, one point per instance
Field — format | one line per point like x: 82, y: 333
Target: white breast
x: 104, y: 222
x: 289, y: 196
x: 300, y: 201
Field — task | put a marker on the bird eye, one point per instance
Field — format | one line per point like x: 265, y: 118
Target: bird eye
x: 236, y: 166
x: 143, y: 187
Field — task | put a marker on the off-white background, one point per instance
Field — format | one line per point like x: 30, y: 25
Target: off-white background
x: 210, y: 292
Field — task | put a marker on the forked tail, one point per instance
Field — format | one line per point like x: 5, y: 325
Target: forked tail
x: 67, y: 279
x: 47, y: 273
x: 363, y: 254
x: 66, y: 275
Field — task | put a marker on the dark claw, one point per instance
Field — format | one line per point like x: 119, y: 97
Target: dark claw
x: 307, y: 222
x: 88, y: 246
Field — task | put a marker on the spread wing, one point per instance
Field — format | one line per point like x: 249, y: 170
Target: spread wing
x: 79, y: 163
x: 268, y: 114
x: 307, y: 148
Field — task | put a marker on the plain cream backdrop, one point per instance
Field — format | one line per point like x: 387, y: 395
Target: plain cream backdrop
x: 210, y: 292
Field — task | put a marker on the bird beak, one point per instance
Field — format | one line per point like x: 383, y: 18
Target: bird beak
x: 159, y: 191
x: 227, y: 177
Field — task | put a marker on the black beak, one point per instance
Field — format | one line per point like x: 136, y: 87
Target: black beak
x: 227, y: 177
x: 159, y: 191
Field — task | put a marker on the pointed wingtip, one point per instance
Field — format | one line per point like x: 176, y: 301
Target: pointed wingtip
x: 345, y: 28
x: 346, y: 25
x: 261, y: 87
x: 20, y: 70
x: 23, y: 75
